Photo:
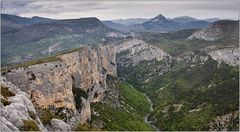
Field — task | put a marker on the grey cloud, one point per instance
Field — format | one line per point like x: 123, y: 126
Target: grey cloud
x: 214, y: 5
x: 121, y: 9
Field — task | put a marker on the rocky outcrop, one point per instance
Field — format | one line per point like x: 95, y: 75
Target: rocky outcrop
x: 134, y: 51
x: 224, y: 29
x: 192, y: 58
x: 71, y: 82
x: 207, y: 34
x: 58, y: 125
x: 227, y: 55
x: 228, y: 122
x: 18, y: 109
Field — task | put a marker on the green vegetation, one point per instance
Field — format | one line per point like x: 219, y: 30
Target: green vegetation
x: 191, y: 94
x: 32, y: 114
x: 116, y: 119
x: 5, y: 92
x: 46, y: 115
x: 189, y: 97
x: 129, y: 116
x: 78, y: 93
x: 29, y: 63
x: 134, y: 98
x: 12, y: 53
x: 5, y: 102
x: 85, y: 127
x: 29, y: 125
x: 176, y: 43
x: 51, y: 58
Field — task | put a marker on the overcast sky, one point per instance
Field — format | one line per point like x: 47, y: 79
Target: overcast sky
x: 110, y: 9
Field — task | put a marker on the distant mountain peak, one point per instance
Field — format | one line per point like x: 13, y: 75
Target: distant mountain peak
x: 160, y: 17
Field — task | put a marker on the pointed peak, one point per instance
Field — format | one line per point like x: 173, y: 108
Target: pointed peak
x: 160, y: 17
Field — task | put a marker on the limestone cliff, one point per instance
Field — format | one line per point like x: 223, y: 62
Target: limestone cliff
x: 226, y: 55
x: 223, y: 29
x: 71, y: 82
x: 134, y: 51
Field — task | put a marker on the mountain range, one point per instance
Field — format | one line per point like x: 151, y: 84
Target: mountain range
x: 53, y: 35
x: 161, y: 24
x: 50, y: 37
x: 185, y: 19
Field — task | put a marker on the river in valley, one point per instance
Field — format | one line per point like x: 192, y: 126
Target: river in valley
x: 146, y: 118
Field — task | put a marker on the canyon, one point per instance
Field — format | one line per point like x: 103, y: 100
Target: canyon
x: 85, y: 74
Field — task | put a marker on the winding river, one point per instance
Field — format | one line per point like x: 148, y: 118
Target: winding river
x: 146, y: 118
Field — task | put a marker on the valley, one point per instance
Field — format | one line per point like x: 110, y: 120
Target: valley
x: 158, y: 74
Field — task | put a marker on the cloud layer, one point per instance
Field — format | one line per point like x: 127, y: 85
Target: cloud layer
x: 107, y: 9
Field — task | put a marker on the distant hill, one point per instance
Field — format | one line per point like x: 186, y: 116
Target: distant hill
x: 37, y: 40
x: 131, y: 21
x: 11, y: 23
x: 223, y: 29
x: 116, y: 26
x: 211, y: 19
x: 161, y: 24
x: 84, y: 26
x: 186, y: 19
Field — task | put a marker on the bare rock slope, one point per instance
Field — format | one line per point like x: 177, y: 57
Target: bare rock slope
x: 224, y: 29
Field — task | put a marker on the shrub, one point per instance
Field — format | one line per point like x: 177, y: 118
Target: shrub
x: 5, y: 92
x: 5, y: 102
x: 29, y: 125
x: 78, y: 93
x: 46, y: 116
x: 32, y: 114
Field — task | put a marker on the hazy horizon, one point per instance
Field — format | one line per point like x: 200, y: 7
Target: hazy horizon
x: 112, y: 10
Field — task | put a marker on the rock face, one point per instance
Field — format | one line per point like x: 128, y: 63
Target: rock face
x: 135, y: 51
x: 19, y: 109
x: 226, y: 122
x: 227, y: 55
x: 139, y: 56
x: 71, y: 82
x: 218, y: 30
x: 193, y: 57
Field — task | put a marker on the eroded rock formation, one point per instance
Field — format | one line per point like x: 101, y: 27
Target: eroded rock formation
x: 134, y: 51
x: 227, y: 55
x: 16, y: 108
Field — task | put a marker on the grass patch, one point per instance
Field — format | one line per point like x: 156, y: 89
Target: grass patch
x: 38, y: 61
x: 85, y: 127
x: 134, y: 98
x: 29, y: 125
x: 116, y: 119
x: 29, y: 63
